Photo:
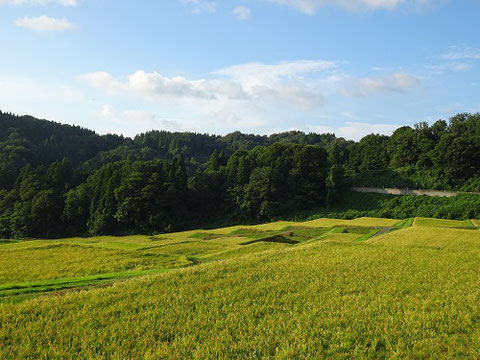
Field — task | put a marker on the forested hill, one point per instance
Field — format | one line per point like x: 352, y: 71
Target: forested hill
x: 58, y: 180
x: 26, y: 140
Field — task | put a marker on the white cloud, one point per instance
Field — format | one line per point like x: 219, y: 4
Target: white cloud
x: 39, y: 2
x: 44, y: 23
x: 251, y: 97
x: 311, y: 6
x: 201, y: 6
x: 154, y: 86
x: 396, y: 82
x: 283, y: 82
x: 242, y: 12
x: 256, y: 72
x: 290, y: 82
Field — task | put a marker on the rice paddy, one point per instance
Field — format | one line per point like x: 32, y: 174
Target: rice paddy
x: 440, y: 223
x: 327, y: 289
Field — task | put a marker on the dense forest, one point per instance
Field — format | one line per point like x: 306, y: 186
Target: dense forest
x: 59, y: 180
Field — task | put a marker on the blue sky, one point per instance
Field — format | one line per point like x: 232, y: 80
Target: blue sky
x: 259, y: 66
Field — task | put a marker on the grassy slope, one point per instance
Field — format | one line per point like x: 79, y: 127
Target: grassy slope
x: 38, y: 266
x: 64, y: 260
x: 408, y: 294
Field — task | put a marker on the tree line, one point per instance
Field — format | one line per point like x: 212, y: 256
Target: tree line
x: 62, y: 180
x: 158, y: 196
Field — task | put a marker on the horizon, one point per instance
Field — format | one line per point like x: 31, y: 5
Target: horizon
x: 132, y: 137
x: 209, y: 67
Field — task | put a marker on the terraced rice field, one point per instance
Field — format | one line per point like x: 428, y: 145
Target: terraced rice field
x: 439, y: 223
x: 329, y: 289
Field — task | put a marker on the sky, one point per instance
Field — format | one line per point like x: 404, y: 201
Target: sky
x: 349, y: 67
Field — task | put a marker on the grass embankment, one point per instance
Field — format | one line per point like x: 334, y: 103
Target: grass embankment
x: 17, y: 292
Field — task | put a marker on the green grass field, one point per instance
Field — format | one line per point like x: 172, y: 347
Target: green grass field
x: 327, y: 289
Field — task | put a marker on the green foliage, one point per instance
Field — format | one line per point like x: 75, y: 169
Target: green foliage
x: 269, y: 182
x: 441, y: 156
x: 352, y: 205
x: 58, y: 180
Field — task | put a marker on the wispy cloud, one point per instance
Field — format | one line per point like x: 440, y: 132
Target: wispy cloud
x: 290, y: 82
x: 242, y: 12
x: 133, y: 120
x: 462, y: 53
x: 39, y: 2
x: 456, y: 59
x: 201, y: 6
x: 454, y: 67
x: 311, y: 6
x: 397, y: 82
x: 44, y: 23
x: 18, y: 90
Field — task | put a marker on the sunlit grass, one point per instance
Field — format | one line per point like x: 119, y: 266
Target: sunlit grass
x: 62, y: 260
x: 326, y: 223
x: 455, y: 240
x: 409, y: 294
x: 439, y: 223
x: 369, y: 222
x: 373, y: 222
x: 279, y: 225
x: 339, y: 292
x: 226, y: 230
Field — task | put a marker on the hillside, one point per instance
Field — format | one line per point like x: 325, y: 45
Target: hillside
x: 41, y: 142
x: 61, y: 180
x: 369, y: 288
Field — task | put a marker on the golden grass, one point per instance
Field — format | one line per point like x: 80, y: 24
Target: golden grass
x: 61, y: 260
x: 427, y: 222
x: 262, y: 227
x: 367, y: 222
x: 373, y: 222
x: 279, y: 225
x: 325, y: 223
x: 225, y: 230
x: 410, y: 294
x: 467, y: 240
